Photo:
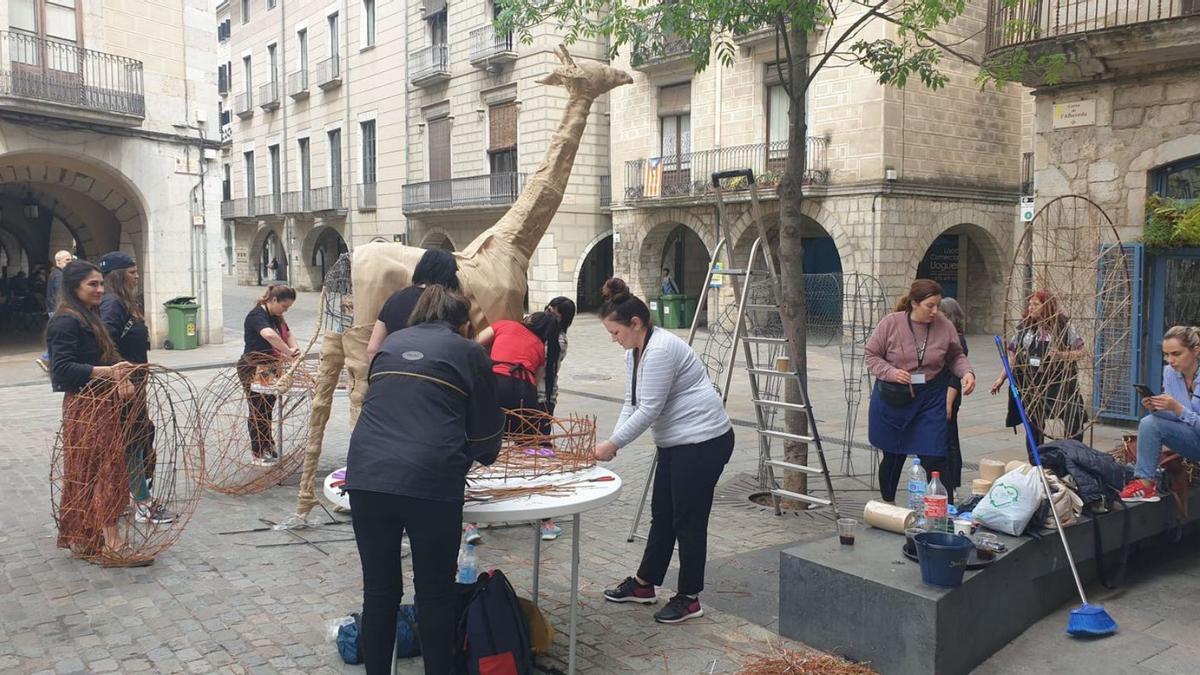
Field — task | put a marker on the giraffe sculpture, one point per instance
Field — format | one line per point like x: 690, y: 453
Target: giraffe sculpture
x: 492, y: 269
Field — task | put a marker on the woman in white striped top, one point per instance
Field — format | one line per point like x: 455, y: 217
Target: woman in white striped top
x: 669, y: 393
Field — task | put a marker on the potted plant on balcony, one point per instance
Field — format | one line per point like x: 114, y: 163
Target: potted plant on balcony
x: 1171, y: 223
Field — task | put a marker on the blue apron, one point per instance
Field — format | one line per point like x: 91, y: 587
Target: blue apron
x: 918, y: 428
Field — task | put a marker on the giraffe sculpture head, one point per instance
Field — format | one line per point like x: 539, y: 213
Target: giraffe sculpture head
x: 586, y: 80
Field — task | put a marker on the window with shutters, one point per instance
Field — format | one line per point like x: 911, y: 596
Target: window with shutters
x: 439, y: 149
x: 502, y: 138
x: 305, y: 170
x: 222, y: 79
x: 248, y: 158
x: 368, y: 152
x: 675, y: 134
x: 226, y: 183
x: 335, y: 161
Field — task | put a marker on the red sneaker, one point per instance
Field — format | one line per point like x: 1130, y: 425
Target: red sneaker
x: 1137, y: 491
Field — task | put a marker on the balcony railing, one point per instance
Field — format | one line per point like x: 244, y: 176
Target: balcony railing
x: 488, y: 46
x: 226, y: 134
x: 326, y: 198
x: 689, y: 174
x: 267, y: 205
x: 243, y: 105
x: 429, y: 65
x: 298, y: 85
x: 495, y: 189
x: 367, y: 195
x: 672, y: 48
x: 237, y: 208
x: 37, y: 68
x: 605, y: 190
x: 329, y: 73
x: 1034, y: 20
x: 268, y: 96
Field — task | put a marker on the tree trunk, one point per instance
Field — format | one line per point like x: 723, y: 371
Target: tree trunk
x: 791, y: 255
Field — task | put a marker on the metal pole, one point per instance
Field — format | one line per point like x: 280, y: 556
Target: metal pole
x: 637, y: 518
x: 575, y: 594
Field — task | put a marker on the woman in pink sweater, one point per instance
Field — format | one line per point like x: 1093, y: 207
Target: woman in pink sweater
x: 912, y: 354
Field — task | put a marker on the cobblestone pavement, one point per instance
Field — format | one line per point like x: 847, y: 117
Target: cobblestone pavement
x: 254, y: 603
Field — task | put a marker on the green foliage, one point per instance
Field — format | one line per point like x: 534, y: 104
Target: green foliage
x: 1171, y: 223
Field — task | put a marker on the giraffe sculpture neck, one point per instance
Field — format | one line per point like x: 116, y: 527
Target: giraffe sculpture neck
x: 524, y: 224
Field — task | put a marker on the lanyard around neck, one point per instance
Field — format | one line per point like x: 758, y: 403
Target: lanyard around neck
x: 637, y: 357
x: 920, y: 350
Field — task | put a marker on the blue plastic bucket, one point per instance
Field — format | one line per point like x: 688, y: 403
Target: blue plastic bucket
x: 943, y: 557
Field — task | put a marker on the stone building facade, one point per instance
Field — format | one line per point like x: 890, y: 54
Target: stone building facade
x: 106, y: 143
x: 1120, y: 124
x: 423, y: 132
x: 899, y: 180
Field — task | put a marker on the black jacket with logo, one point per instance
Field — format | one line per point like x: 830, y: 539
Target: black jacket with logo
x: 74, y: 351
x: 430, y: 410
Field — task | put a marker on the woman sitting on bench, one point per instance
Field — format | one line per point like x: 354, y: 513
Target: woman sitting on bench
x: 1174, y: 419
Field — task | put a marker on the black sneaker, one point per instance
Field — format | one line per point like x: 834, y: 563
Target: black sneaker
x: 631, y: 591
x: 679, y: 609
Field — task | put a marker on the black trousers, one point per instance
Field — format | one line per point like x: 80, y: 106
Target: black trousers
x: 683, y: 494
x: 260, y: 415
x: 513, y: 393
x: 380, y: 521
x: 891, y: 468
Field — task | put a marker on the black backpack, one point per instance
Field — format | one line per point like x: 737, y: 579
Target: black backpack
x: 493, y: 631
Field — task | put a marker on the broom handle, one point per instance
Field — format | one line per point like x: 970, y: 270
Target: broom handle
x: 1037, y: 462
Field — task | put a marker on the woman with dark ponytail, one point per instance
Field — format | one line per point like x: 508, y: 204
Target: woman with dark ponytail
x: 84, y: 364
x: 268, y: 342
x: 670, y: 394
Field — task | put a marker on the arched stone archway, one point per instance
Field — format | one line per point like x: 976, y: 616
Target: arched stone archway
x: 818, y: 222
x: 679, y: 248
x: 268, y: 245
x: 438, y: 239
x: 970, y: 264
x: 594, y: 267
x: 323, y: 245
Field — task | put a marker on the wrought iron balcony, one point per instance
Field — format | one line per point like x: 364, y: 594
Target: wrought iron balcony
x: 226, y: 134
x: 667, y: 51
x: 267, y: 205
x: 489, y: 48
x: 268, y: 96
x: 298, y: 85
x: 326, y: 199
x: 488, y: 190
x: 1026, y: 21
x: 689, y: 174
x: 79, y: 83
x: 294, y: 202
x: 605, y: 190
x: 429, y: 65
x: 367, y: 196
x: 237, y: 208
x: 243, y: 105
x: 329, y: 73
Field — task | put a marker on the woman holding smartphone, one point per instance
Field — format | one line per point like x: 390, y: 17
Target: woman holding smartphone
x: 1174, y: 419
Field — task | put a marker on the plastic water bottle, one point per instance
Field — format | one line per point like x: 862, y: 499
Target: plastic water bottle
x: 916, y: 491
x: 936, y: 515
x: 468, y: 565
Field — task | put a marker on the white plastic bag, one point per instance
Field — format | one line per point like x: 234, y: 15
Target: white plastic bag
x: 1011, y: 502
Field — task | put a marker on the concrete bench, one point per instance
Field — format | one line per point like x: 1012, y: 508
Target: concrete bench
x: 868, y: 603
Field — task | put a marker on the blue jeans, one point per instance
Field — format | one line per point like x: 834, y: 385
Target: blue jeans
x: 1155, y: 432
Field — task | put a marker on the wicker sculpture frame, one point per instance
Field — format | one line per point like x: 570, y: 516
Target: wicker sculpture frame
x: 117, y: 440
x: 262, y: 389
x: 1072, y: 251
x: 538, y: 445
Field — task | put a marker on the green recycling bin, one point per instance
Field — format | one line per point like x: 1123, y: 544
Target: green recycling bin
x: 656, y: 311
x: 181, y: 323
x: 672, y: 310
x: 689, y: 311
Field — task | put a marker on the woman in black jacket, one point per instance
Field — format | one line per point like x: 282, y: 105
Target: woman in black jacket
x: 84, y: 364
x: 430, y: 410
x: 121, y: 312
x: 269, y: 344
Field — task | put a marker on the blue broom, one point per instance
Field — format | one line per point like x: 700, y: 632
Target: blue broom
x: 1086, y: 620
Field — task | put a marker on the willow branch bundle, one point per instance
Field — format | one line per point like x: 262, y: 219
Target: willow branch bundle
x: 540, y: 445
x: 120, y: 442
x: 247, y: 414
x: 785, y: 662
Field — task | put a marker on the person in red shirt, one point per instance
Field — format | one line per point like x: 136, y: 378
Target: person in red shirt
x: 524, y: 358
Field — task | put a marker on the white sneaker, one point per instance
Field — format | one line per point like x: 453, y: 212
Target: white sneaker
x: 149, y: 512
x: 471, y: 534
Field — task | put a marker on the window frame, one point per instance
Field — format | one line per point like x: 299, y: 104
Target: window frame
x: 370, y: 154
x: 367, y: 24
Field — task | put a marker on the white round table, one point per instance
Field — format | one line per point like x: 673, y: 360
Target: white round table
x: 588, y: 494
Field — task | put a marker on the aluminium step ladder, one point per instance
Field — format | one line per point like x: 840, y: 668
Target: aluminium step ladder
x: 751, y: 330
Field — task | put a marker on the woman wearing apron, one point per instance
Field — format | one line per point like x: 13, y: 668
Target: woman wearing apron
x: 913, y: 354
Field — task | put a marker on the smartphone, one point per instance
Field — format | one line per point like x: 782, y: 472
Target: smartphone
x: 1143, y: 391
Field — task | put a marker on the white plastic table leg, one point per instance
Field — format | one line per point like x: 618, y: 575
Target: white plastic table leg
x: 574, y: 593
x: 537, y: 560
